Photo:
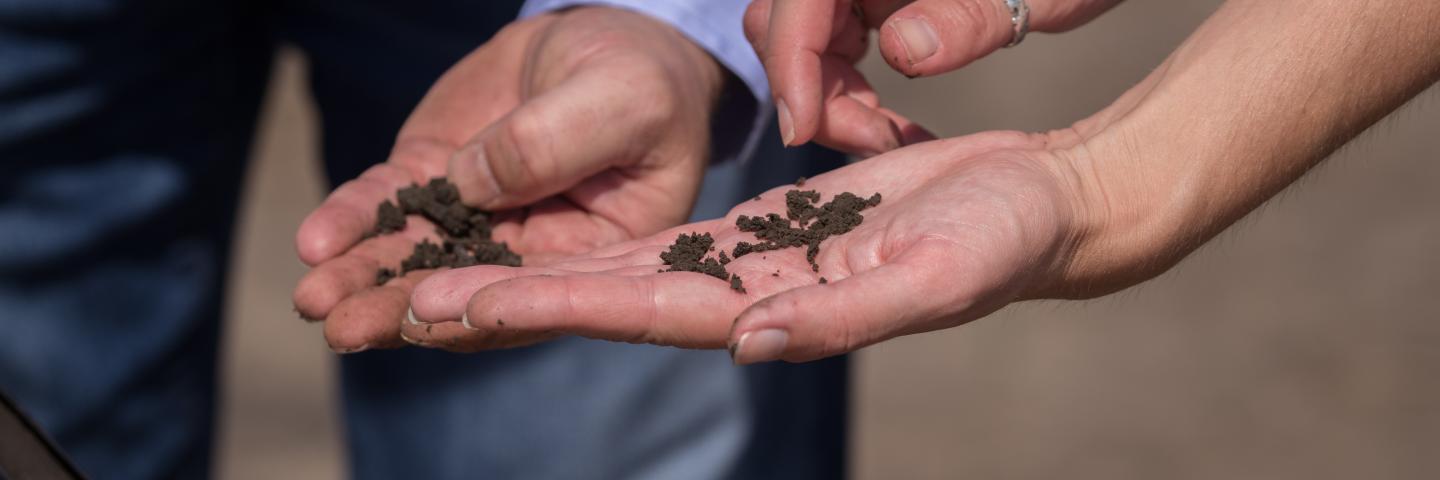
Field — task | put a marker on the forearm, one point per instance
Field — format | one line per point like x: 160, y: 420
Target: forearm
x: 1262, y: 92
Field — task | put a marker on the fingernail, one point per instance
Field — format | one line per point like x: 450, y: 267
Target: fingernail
x: 787, y: 127
x: 917, y: 37
x: 465, y: 320
x: 306, y: 318
x: 410, y: 340
x: 759, y: 346
x: 410, y: 315
x: 345, y: 351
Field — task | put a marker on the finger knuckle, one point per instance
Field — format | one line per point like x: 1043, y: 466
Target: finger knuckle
x: 528, y: 138
x: 973, y: 20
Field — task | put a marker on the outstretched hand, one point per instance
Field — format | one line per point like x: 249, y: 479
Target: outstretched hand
x: 966, y: 226
x: 583, y: 128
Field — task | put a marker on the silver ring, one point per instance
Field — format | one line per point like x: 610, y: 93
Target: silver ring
x: 1019, y: 21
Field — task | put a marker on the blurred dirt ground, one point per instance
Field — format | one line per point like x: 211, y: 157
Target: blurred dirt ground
x: 1304, y: 343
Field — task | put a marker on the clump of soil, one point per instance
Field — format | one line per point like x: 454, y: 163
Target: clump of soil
x: 464, y: 231
x: 804, y: 225
x: 688, y: 254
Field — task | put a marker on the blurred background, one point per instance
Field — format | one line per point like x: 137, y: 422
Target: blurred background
x: 1303, y: 343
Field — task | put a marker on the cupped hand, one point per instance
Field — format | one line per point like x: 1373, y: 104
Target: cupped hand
x: 582, y: 128
x: 810, y: 47
x: 966, y: 226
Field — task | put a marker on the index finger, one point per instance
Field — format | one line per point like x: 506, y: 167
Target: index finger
x: 799, y: 32
x: 348, y: 213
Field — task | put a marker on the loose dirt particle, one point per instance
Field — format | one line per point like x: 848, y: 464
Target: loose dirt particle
x: 384, y: 275
x: 389, y: 218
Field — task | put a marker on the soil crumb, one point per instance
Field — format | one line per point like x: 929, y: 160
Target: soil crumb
x: 804, y: 225
x: 464, y: 231
x: 688, y: 252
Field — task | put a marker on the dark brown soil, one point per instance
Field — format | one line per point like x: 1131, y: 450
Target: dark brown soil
x: 464, y: 231
x: 804, y: 224
x: 688, y: 252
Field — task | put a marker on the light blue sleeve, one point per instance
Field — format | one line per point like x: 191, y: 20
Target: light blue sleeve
x: 716, y: 26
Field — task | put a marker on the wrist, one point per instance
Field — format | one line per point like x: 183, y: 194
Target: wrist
x: 1148, y: 193
x: 1128, y: 220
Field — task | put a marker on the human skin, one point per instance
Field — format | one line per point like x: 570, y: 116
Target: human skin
x: 1260, y: 93
x: 514, y: 124
x: 810, y: 48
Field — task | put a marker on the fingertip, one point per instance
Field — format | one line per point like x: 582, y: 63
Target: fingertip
x: 786, y: 123
x: 439, y: 298
x: 892, y: 50
x: 768, y: 313
x: 447, y: 295
x: 760, y: 346
x: 345, y: 340
x: 347, y: 214
x: 855, y: 128
x: 929, y: 38
x: 910, y: 132
x: 762, y: 332
x: 806, y: 109
x: 368, y: 319
x: 485, y: 307
x: 795, y: 76
x: 316, y: 295
x: 316, y: 240
x: 915, y: 37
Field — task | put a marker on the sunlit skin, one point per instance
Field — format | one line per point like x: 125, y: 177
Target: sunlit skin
x: 962, y: 213
x: 810, y: 47
x: 514, y: 125
x: 971, y: 224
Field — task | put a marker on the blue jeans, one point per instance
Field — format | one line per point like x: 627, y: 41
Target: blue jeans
x: 124, y: 127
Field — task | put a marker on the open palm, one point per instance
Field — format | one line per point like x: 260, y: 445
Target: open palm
x: 514, y: 125
x: 967, y: 225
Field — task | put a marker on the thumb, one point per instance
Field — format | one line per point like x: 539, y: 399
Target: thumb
x: 554, y: 141
x: 929, y: 37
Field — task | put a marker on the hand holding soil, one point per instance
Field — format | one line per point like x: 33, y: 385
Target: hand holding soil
x: 514, y: 126
x: 966, y: 226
